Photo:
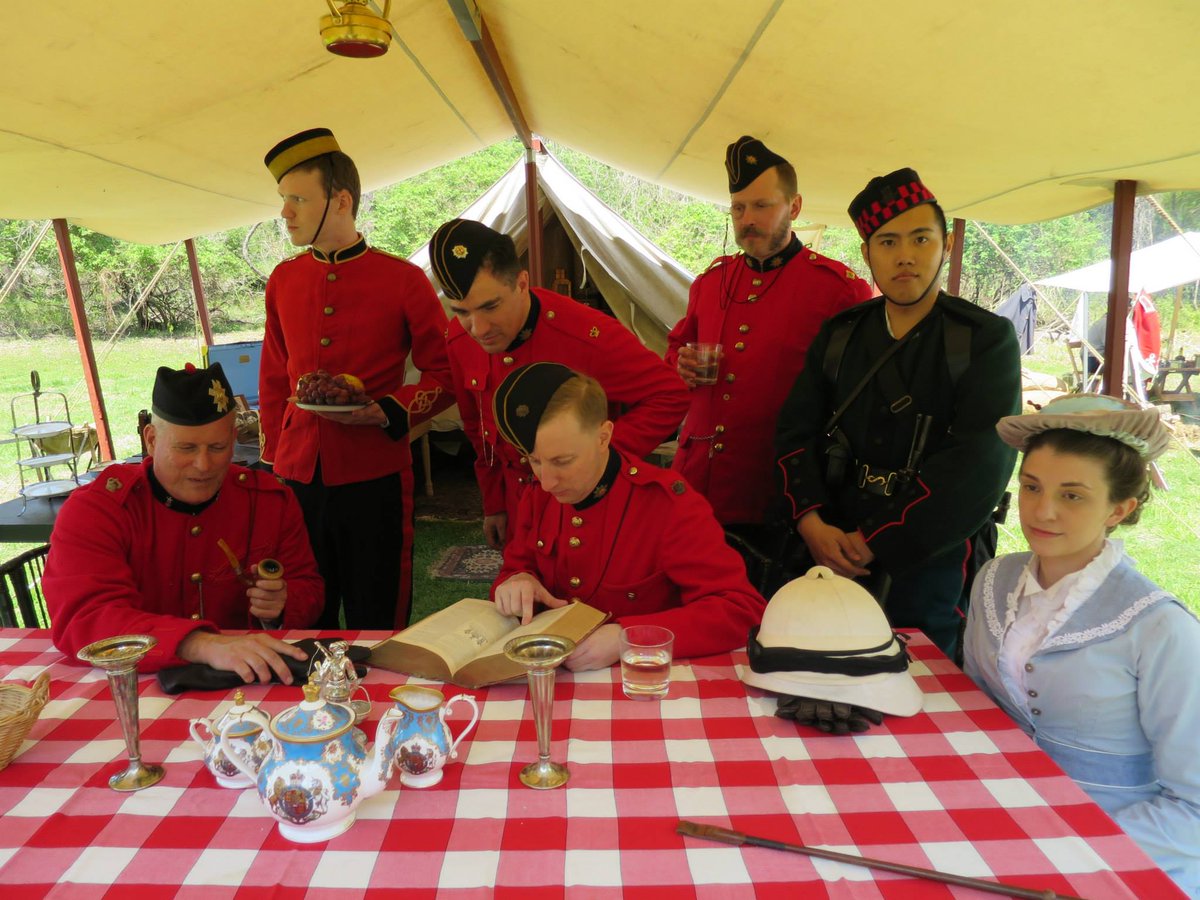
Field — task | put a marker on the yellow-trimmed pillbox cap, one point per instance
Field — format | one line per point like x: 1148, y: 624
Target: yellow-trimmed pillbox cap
x: 299, y: 148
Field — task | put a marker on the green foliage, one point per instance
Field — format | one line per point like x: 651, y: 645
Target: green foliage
x: 403, y: 217
x: 400, y: 218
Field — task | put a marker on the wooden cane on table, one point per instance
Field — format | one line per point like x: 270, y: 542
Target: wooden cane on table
x: 727, y: 836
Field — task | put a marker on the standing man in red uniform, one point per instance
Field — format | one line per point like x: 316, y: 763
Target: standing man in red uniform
x: 348, y: 308
x: 137, y: 552
x: 625, y: 537
x: 764, y: 307
x: 501, y: 323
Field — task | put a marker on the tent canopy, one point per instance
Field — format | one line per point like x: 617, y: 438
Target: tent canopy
x: 1158, y: 267
x: 149, y: 122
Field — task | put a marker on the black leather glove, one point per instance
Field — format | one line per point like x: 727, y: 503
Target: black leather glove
x: 829, y: 717
x: 201, y: 677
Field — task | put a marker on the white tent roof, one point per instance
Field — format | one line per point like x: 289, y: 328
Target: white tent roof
x: 1155, y: 268
x: 149, y: 122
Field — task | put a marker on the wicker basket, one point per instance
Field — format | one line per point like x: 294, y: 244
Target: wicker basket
x: 19, y: 708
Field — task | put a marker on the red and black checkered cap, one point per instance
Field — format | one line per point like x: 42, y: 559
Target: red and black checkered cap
x: 886, y: 197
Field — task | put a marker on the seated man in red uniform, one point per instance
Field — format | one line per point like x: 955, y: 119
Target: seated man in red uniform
x: 137, y: 552
x: 606, y: 528
x: 500, y: 323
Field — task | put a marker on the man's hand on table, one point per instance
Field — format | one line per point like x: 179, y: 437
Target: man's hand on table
x: 519, y: 593
x: 599, y: 650
x: 252, y: 656
x: 268, y: 597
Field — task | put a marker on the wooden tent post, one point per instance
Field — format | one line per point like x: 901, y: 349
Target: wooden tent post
x: 83, y: 336
x: 198, y: 291
x: 475, y: 30
x: 953, y: 284
x: 1124, y: 194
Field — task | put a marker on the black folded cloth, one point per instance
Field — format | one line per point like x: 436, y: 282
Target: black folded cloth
x: 202, y: 677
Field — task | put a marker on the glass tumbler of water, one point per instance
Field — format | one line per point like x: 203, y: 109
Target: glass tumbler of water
x: 646, y: 661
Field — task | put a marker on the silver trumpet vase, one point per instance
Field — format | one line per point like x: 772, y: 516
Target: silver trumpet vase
x: 540, y: 655
x: 118, y: 658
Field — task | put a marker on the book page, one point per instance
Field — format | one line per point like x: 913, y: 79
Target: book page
x: 542, y: 623
x: 460, y: 631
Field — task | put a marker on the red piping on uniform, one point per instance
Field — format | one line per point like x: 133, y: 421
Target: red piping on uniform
x: 900, y: 521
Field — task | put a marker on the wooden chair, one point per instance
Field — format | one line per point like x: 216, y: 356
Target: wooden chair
x: 21, y: 602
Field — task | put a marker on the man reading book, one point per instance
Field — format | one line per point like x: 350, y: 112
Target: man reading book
x: 610, y: 530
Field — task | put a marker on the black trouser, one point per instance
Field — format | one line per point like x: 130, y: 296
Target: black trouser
x: 357, y: 536
x: 932, y: 597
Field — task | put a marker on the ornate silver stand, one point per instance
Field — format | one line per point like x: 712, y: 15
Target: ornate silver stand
x: 118, y: 657
x: 541, y: 654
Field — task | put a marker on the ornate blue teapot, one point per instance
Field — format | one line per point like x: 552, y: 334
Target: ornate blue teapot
x: 318, y: 769
x: 420, y: 744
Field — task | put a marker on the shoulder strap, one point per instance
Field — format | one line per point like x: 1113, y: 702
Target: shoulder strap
x: 957, y: 336
x: 866, y: 379
x: 836, y: 348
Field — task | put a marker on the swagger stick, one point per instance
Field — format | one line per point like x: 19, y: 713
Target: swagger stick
x: 726, y: 836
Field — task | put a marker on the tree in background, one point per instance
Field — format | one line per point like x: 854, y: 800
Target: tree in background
x: 400, y: 218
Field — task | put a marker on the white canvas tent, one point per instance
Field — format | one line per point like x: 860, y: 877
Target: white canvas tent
x: 1158, y: 267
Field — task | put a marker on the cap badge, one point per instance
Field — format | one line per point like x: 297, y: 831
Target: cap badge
x: 220, y: 398
x: 752, y: 160
x: 522, y: 410
x: 459, y: 251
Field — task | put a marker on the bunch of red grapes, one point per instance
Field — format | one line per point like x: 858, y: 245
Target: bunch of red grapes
x: 321, y: 388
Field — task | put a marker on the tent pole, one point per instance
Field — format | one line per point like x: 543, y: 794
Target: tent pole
x: 533, y: 216
x: 83, y: 336
x: 1124, y: 195
x: 198, y: 291
x: 953, y: 284
x: 475, y: 30
x: 1174, y: 321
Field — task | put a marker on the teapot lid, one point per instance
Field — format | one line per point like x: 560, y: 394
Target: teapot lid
x: 242, y: 719
x: 314, y: 720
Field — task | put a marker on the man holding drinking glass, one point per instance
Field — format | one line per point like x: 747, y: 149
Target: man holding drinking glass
x: 763, y: 307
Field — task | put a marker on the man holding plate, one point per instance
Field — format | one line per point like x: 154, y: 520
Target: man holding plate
x: 343, y: 308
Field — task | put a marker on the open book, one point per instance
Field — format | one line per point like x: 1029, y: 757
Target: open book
x: 464, y: 643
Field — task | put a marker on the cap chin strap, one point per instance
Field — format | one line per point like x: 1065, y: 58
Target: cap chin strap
x: 329, y: 198
x: 936, y: 276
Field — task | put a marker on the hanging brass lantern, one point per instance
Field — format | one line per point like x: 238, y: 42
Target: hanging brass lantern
x: 354, y: 30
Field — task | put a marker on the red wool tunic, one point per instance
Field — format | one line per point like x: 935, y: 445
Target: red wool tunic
x: 122, y: 562
x: 588, y: 341
x: 764, y: 316
x: 359, y: 315
x: 649, y: 552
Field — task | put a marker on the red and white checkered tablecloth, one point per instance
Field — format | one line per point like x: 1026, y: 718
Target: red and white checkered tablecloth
x: 957, y: 788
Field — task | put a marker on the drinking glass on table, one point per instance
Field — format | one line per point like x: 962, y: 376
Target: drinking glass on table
x: 646, y: 661
x: 708, y: 362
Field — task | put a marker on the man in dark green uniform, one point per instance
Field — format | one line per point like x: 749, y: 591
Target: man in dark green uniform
x: 887, y: 442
